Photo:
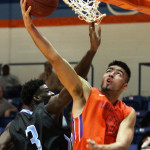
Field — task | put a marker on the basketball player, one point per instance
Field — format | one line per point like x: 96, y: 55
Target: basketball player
x: 99, y: 120
x: 39, y: 128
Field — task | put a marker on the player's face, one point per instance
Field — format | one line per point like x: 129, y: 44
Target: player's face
x: 114, y: 79
x: 43, y: 93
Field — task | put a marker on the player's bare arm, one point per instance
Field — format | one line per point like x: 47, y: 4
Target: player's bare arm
x: 5, y: 139
x: 124, y: 137
x: 65, y: 72
x: 59, y: 101
x: 95, y: 40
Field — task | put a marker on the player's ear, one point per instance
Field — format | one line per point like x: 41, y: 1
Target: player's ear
x: 36, y: 98
x: 125, y: 86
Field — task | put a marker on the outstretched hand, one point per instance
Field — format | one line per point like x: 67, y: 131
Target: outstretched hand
x: 95, y: 38
x: 26, y: 13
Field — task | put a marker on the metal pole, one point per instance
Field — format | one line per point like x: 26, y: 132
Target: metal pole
x: 140, y: 79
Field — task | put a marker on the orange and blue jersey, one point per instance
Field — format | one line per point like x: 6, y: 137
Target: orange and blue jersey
x: 99, y: 120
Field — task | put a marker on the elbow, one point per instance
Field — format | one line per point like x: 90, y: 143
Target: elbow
x: 125, y: 147
x: 122, y: 146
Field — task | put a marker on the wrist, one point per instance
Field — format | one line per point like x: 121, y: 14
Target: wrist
x: 92, y: 51
x: 29, y: 26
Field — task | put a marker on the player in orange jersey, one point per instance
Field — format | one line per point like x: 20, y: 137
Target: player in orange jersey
x: 99, y: 119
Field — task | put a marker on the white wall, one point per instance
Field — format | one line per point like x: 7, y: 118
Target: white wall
x: 126, y: 42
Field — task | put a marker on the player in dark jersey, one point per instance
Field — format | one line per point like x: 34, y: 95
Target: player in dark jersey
x: 39, y: 128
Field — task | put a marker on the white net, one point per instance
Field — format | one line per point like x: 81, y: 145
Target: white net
x: 86, y: 10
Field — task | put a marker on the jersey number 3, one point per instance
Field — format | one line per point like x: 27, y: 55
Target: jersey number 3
x: 34, y: 139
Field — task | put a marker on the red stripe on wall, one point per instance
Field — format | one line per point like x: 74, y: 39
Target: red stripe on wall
x: 109, y: 19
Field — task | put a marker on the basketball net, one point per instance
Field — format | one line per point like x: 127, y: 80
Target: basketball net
x: 87, y: 11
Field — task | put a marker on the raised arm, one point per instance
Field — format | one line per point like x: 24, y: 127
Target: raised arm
x: 65, y: 72
x: 62, y: 99
x: 83, y: 67
x: 124, y: 136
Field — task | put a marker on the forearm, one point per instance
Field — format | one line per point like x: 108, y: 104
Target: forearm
x: 65, y: 73
x: 123, y: 139
x: 113, y: 146
x: 41, y: 42
x: 59, y: 101
x: 64, y: 98
x: 5, y: 139
x: 83, y: 67
x: 6, y: 146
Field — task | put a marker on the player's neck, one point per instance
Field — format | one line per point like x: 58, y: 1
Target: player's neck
x: 113, y: 97
x: 32, y: 106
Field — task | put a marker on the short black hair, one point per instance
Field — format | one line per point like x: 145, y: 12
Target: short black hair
x: 29, y: 89
x: 47, y: 63
x: 122, y: 65
x: 6, y: 67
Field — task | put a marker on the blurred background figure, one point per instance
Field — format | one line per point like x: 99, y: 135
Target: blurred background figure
x: 10, y: 83
x: 50, y: 78
x: 8, y: 80
x: 6, y: 108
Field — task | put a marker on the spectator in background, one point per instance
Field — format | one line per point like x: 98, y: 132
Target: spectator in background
x: 50, y: 78
x: 6, y: 108
x: 8, y: 80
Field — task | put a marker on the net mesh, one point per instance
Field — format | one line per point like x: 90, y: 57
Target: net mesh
x: 86, y: 10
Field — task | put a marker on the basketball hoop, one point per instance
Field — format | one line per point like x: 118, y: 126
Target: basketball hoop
x: 87, y: 11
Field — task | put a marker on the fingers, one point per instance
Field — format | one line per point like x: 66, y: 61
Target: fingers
x: 99, y: 31
x: 28, y: 10
x: 92, y: 29
x: 21, y: 1
x: 23, y: 4
x: 93, y: 25
x: 91, y: 144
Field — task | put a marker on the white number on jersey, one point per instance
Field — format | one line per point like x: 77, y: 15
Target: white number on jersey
x: 34, y: 139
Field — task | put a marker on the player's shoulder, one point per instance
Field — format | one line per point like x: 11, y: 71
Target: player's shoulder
x: 127, y: 110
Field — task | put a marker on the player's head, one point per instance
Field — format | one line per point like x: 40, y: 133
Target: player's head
x: 5, y: 69
x: 47, y: 66
x: 35, y: 90
x: 116, y: 77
